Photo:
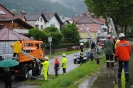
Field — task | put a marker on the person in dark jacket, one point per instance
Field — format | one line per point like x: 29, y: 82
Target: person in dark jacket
x: 108, y: 50
x: 93, y: 51
x: 56, y: 66
x: 34, y: 70
x: 7, y: 78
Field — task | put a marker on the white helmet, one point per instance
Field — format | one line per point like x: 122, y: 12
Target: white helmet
x: 113, y: 37
x: 121, y: 35
x: 63, y: 54
x: 46, y: 57
x: 81, y: 44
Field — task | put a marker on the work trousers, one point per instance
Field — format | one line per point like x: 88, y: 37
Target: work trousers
x: 64, y: 70
x: 8, y: 85
x: 124, y: 64
x: 81, y: 60
x: 94, y: 53
x: 45, y: 73
x: 56, y: 72
x: 14, y: 55
x: 109, y: 61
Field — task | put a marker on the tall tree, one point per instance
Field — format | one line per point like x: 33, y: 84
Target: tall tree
x: 70, y: 33
x: 56, y: 36
x: 47, y: 32
x: 120, y: 10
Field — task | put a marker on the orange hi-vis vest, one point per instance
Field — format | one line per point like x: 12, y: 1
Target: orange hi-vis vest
x: 123, y: 50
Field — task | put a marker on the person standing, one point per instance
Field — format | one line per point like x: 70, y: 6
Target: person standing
x: 81, y: 53
x: 7, y: 78
x: 108, y: 50
x: 116, y: 59
x: 45, y: 68
x: 17, y: 47
x: 64, y: 63
x: 34, y: 69
x: 56, y: 66
x: 93, y: 51
x: 123, y: 51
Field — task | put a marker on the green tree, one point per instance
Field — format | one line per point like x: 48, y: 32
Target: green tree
x: 56, y: 37
x: 47, y: 32
x: 70, y: 33
x: 121, y: 10
x: 37, y: 34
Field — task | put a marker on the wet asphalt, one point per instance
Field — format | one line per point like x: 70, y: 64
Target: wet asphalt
x: 107, y: 78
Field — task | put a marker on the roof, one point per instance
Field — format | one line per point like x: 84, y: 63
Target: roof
x: 5, y: 13
x: 20, y: 21
x: 7, y: 34
x: 49, y: 15
x: 33, y: 16
x: 85, y: 19
x: 91, y: 27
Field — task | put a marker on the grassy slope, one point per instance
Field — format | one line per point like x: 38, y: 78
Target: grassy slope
x: 68, y: 80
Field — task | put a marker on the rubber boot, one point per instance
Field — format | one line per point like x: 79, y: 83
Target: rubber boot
x: 107, y: 64
x: 126, y: 76
x: 112, y: 64
x: 119, y: 76
x: 98, y: 61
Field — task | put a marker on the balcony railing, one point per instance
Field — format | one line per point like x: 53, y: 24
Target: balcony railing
x: 22, y: 31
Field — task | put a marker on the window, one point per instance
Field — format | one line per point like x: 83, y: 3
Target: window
x: 53, y: 24
x: 1, y: 12
x: 41, y: 27
x: 36, y: 26
x: 18, y: 27
x: 41, y: 19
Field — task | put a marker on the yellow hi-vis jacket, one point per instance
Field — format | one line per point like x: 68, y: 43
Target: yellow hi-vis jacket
x: 116, y: 43
x: 17, y: 47
x: 45, y: 65
x: 64, y: 62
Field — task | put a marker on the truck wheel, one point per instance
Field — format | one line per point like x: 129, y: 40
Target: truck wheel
x: 78, y: 62
x: 74, y: 61
x: 26, y: 73
x: 39, y: 69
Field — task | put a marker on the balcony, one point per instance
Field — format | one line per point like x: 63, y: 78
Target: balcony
x: 21, y: 31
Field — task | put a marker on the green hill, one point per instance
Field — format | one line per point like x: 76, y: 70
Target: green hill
x: 39, y: 6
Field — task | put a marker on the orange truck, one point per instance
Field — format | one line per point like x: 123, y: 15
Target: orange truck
x: 31, y: 56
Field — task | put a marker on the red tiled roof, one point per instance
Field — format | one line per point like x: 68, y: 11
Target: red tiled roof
x: 101, y: 20
x: 7, y: 34
x: 85, y: 19
x: 91, y: 27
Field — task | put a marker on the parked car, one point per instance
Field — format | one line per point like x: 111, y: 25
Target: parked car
x: 76, y: 58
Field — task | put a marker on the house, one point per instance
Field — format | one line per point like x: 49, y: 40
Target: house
x: 43, y: 20
x: 7, y: 37
x: 35, y: 19
x: 65, y: 20
x: 53, y: 20
x: 9, y: 20
x: 92, y: 24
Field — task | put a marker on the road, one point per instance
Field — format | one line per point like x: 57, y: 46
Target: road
x: 70, y: 67
x: 70, y: 64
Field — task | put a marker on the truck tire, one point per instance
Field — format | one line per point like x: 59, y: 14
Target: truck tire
x: 25, y: 73
x: 39, y: 69
x: 74, y: 61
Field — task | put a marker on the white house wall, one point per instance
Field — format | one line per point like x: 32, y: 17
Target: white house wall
x: 53, y: 21
x: 39, y: 23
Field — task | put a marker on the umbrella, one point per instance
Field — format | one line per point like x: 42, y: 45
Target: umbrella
x: 8, y: 63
